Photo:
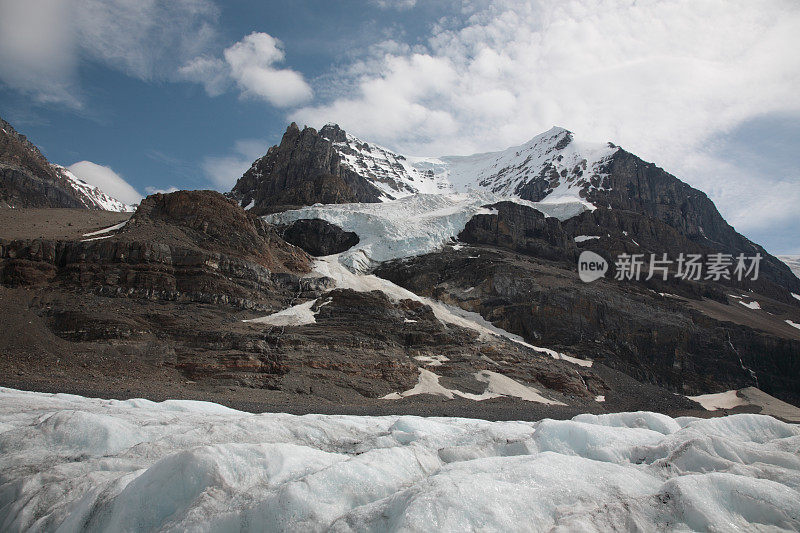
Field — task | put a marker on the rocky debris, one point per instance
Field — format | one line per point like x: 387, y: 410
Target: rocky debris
x: 303, y: 169
x: 27, y: 179
x: 318, y: 237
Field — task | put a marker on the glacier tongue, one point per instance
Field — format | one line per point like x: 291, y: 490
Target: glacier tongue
x: 70, y: 463
x: 413, y: 225
x: 410, y: 226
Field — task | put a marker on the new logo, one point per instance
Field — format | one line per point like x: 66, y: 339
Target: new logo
x: 591, y: 266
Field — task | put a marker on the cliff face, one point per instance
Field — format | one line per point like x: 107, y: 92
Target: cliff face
x: 303, y: 169
x: 183, y: 246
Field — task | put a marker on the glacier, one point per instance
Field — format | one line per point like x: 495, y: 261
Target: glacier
x: 70, y: 463
x: 412, y: 225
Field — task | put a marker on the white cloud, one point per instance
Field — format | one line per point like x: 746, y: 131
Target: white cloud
x: 156, y: 190
x: 399, y: 5
x: 38, y: 53
x: 211, y: 72
x: 43, y: 41
x: 223, y: 171
x: 250, y: 64
x: 106, y: 180
x: 659, y: 78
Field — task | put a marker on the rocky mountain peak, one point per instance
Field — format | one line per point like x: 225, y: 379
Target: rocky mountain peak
x: 333, y: 133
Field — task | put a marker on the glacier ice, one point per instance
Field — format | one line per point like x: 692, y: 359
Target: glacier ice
x: 70, y: 463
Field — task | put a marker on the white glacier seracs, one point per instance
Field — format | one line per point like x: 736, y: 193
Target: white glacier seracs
x: 410, y: 226
x: 70, y: 463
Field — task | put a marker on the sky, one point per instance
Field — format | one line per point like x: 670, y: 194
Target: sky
x: 139, y: 96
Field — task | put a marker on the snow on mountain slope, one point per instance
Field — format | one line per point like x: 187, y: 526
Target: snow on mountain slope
x: 552, y: 161
x: 70, y: 463
x: 390, y: 172
x: 93, y: 197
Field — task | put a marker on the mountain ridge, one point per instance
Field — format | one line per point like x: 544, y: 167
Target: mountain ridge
x: 552, y: 167
x: 28, y: 179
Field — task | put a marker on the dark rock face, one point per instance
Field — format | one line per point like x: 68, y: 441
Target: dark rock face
x: 634, y: 185
x: 634, y: 233
x: 303, y: 169
x: 318, y: 237
x: 27, y: 179
x: 655, y: 339
x: 522, y: 229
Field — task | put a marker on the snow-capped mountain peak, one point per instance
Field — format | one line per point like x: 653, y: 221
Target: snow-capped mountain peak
x: 552, y: 166
x: 91, y: 196
x: 393, y: 174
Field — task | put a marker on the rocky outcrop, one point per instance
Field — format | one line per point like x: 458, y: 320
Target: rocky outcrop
x: 303, y: 169
x: 183, y: 246
x: 520, y: 228
x: 631, y: 184
x: 318, y: 237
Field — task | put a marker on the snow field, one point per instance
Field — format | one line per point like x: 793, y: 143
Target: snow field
x: 79, y: 464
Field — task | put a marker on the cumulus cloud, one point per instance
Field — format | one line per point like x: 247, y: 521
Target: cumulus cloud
x: 43, y: 41
x: 106, y: 180
x: 659, y: 78
x: 251, y: 65
x: 223, y: 171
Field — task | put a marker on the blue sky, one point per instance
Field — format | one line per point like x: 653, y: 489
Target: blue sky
x: 187, y: 93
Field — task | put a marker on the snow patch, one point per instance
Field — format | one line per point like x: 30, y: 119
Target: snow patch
x: 109, y: 229
x: 793, y: 324
x: 497, y: 385
x: 431, y: 360
x: 583, y: 238
x: 751, y: 305
x: 721, y: 400
x: 297, y: 315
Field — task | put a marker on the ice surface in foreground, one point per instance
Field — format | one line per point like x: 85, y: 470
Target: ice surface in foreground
x: 89, y: 465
